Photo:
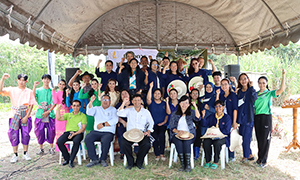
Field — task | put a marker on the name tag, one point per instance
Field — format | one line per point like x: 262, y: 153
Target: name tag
x: 241, y: 102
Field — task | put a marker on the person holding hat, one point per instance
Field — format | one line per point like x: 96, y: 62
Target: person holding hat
x: 194, y: 71
x: 181, y: 63
x: 221, y: 121
x: 105, y: 125
x: 108, y: 74
x: 182, y: 121
x: 137, y: 118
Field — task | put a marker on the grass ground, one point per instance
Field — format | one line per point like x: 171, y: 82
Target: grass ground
x: 282, y: 165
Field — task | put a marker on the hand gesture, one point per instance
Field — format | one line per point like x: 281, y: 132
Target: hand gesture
x: 122, y: 67
x: 59, y: 107
x: 206, y: 107
x: 251, y: 83
x: 93, y: 98
x: 99, y: 61
x: 150, y: 57
x: 234, y: 125
x: 83, y: 85
x: 147, y: 133
x: 5, y: 75
x: 72, y: 134
x: 146, y: 73
x: 168, y: 64
x: 232, y: 79
x: 200, y: 87
x: 180, y: 133
x: 151, y: 84
x: 36, y: 83
x: 78, y: 72
x: 122, y: 60
x: 167, y: 99
x: 218, y: 91
x: 45, y: 114
x: 210, y: 61
x: 126, y: 100
x: 283, y: 72
x: 194, y: 104
x: 203, y: 113
x: 166, y: 54
x: 67, y: 92
x: 99, y: 86
x: 140, y: 91
x: 24, y: 120
x: 99, y: 126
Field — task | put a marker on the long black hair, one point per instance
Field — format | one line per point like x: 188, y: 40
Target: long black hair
x: 91, y: 92
x: 239, y: 84
x: 265, y: 78
x: 177, y: 71
x: 199, y: 103
x: 64, y: 92
x: 151, y: 62
x: 188, y: 110
x: 73, y: 91
x: 230, y: 88
x: 191, y: 69
x: 137, y: 68
x: 121, y: 100
x: 107, y: 87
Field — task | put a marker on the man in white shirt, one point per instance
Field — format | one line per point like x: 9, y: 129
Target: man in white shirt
x: 105, y: 125
x: 140, y: 118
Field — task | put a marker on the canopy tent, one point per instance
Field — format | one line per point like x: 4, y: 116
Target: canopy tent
x: 93, y: 26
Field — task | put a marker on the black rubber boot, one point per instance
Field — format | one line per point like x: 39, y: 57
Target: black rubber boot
x: 181, y: 157
x: 188, y: 162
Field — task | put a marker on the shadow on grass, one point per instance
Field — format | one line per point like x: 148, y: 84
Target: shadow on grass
x: 47, y: 167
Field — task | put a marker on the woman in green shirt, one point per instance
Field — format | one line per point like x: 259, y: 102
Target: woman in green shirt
x: 96, y: 92
x: 263, y: 117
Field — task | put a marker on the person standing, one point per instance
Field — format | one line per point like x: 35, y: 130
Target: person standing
x: 108, y: 74
x: 45, y: 115
x: 263, y: 117
x: 246, y: 98
x: 22, y: 100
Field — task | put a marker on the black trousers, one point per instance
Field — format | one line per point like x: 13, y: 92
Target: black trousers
x: 263, y: 128
x: 144, y: 146
x: 160, y: 139
x: 104, y: 137
x: 182, y: 146
x: 198, y: 140
x: 217, y: 149
x: 76, y: 143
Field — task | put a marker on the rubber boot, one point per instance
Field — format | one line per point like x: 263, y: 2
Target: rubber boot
x: 196, y: 151
x: 188, y: 162
x: 181, y: 158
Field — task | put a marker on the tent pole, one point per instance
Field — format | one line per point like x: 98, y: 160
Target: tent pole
x: 238, y: 56
x: 51, y: 67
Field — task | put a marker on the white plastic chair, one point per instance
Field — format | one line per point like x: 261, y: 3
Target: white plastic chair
x: 81, y: 152
x: 174, y: 152
x: 223, y: 155
x: 111, y: 151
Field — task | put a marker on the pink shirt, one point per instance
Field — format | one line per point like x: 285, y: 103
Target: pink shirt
x: 19, y: 97
x: 58, y: 99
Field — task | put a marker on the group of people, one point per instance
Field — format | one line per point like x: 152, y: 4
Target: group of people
x: 134, y: 97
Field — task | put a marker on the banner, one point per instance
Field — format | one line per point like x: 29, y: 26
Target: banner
x: 117, y: 54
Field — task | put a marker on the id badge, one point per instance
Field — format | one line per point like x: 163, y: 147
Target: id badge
x: 241, y: 102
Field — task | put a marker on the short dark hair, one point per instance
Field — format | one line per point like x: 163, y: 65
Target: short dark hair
x: 76, y: 101
x: 144, y: 57
x: 22, y: 76
x: 136, y: 95
x: 217, y: 73
x: 173, y: 90
x: 166, y: 58
x: 158, y: 89
x: 133, y: 59
x: 129, y: 52
x: 219, y: 102
x: 46, y: 76
x: 109, y: 61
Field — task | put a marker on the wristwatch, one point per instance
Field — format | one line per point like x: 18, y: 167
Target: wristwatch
x: 103, y: 124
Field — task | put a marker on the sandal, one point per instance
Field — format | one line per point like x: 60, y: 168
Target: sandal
x: 244, y: 160
x: 213, y: 166
x: 206, y: 165
x: 251, y: 158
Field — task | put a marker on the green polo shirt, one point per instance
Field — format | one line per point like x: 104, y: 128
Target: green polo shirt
x: 263, y: 102
x: 74, y: 120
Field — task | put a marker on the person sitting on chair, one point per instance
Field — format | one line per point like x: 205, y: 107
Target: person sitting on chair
x: 140, y: 118
x: 76, y: 124
x: 104, y: 129
x: 221, y: 121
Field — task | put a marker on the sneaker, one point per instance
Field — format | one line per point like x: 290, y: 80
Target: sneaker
x: 52, y: 151
x: 163, y: 158
x: 26, y: 157
x: 92, y: 163
x: 263, y: 165
x: 103, y: 163
x: 41, y: 152
x: 232, y: 159
x: 14, y: 159
x: 157, y: 158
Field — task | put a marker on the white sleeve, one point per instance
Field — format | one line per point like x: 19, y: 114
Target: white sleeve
x: 151, y: 122
x: 90, y: 111
x: 114, y: 120
x: 123, y: 112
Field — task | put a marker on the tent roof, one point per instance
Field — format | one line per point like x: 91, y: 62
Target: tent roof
x: 93, y: 26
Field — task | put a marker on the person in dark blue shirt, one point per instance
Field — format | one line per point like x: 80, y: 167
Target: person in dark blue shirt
x: 124, y: 65
x: 246, y: 98
x: 208, y: 100
x: 194, y: 71
x: 172, y: 104
x: 159, y: 113
x: 108, y: 74
x: 217, y: 77
x: 221, y: 121
x: 171, y: 75
x: 231, y: 107
x: 153, y: 76
x: 133, y: 78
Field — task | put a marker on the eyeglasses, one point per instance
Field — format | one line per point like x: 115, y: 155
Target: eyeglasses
x: 76, y: 105
x: 154, y: 65
x: 218, y: 106
x: 105, y: 100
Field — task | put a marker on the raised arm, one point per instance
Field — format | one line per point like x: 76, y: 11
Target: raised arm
x: 168, y: 110
x: 146, y: 77
x: 218, y: 91
x: 282, y: 86
x: 58, y: 116
x: 5, y: 76
x: 78, y: 72
x: 214, y: 69
x: 149, y: 94
x: 35, y: 84
x: 197, y: 113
